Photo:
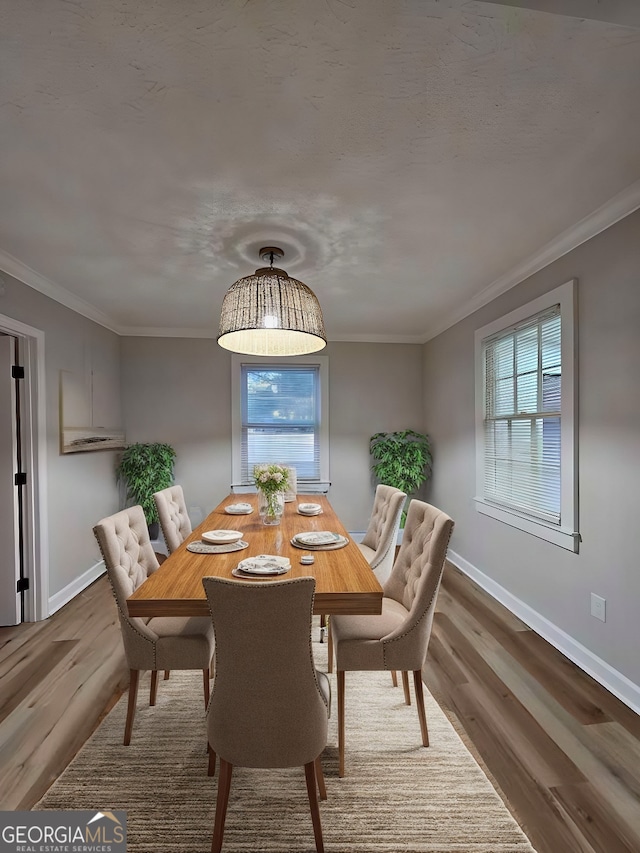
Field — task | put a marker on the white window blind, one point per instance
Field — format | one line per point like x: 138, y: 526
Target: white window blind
x: 522, y: 424
x: 281, y: 418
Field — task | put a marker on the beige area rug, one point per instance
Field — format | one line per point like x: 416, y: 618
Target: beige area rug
x: 396, y: 796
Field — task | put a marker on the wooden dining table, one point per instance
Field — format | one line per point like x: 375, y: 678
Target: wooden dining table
x: 345, y: 582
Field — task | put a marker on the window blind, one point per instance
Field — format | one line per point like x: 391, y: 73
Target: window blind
x: 522, y: 383
x: 281, y: 419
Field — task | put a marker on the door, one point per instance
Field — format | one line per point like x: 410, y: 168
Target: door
x: 10, y: 544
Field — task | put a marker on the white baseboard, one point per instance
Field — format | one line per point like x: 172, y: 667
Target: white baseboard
x: 357, y: 535
x: 59, y: 599
x: 615, y: 682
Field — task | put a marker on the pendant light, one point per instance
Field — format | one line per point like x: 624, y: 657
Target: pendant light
x: 269, y: 313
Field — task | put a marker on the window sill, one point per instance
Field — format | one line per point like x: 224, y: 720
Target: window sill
x: 317, y: 487
x: 562, y: 537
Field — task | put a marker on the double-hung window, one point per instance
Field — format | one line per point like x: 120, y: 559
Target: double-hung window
x: 525, y: 433
x: 279, y: 416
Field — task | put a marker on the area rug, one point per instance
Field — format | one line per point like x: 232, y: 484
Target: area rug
x: 396, y: 796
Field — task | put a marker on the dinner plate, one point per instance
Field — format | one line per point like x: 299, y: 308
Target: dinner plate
x: 268, y: 560
x: 221, y: 537
x: 309, y: 508
x: 318, y: 537
x: 238, y: 509
x: 264, y: 570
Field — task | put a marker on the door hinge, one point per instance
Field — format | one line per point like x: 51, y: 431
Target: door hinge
x: 22, y: 585
x: 17, y: 371
x: 21, y: 478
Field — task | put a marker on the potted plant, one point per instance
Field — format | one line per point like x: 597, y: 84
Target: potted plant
x: 145, y: 469
x: 402, y: 459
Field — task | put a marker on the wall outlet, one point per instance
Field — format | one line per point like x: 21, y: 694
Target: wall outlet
x: 599, y: 607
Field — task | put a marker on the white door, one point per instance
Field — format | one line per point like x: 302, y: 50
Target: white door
x: 9, y: 527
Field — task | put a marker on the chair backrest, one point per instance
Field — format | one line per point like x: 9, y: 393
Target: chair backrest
x: 382, y: 532
x: 415, y: 579
x: 266, y: 707
x: 129, y: 559
x: 173, y: 516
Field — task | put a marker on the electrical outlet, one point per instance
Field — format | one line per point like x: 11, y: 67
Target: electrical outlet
x: 599, y: 607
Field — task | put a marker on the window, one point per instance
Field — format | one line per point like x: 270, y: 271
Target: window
x: 525, y: 433
x: 278, y: 416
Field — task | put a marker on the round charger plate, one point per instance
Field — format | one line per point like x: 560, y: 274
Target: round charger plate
x: 341, y: 544
x: 205, y: 548
x: 244, y: 573
x: 318, y: 537
x: 221, y: 537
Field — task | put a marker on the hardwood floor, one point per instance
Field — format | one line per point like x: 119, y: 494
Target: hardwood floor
x: 565, y: 753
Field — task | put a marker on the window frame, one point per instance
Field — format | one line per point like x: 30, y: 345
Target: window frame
x: 237, y: 363
x: 565, y: 534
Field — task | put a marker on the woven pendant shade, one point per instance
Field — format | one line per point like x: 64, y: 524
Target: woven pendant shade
x: 269, y: 313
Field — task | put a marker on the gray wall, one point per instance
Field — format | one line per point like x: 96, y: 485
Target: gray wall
x: 82, y: 486
x: 554, y: 582
x: 178, y: 390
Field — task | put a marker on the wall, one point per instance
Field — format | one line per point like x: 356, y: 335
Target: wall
x: 81, y: 487
x: 178, y: 390
x: 553, y: 583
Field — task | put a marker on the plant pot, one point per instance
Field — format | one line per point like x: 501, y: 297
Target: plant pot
x: 154, y: 530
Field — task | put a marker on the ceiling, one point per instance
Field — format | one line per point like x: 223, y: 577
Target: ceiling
x: 413, y: 158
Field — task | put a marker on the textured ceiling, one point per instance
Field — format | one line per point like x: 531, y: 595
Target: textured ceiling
x: 406, y: 155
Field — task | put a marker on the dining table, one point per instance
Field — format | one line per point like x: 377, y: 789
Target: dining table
x: 345, y: 582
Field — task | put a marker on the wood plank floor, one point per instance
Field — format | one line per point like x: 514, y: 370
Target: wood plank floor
x: 564, y: 752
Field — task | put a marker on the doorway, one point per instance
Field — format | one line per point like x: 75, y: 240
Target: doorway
x: 24, y: 559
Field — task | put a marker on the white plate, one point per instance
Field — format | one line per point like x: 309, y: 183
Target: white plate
x: 265, y: 560
x: 238, y: 509
x: 318, y: 537
x: 221, y: 537
x: 264, y: 570
x: 309, y: 508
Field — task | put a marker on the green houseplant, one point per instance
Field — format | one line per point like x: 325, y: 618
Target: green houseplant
x: 145, y: 469
x: 402, y: 459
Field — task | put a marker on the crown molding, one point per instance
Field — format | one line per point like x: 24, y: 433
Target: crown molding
x: 377, y: 339
x: 617, y: 208
x: 15, y: 268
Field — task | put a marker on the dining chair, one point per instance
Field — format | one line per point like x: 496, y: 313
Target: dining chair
x: 379, y: 542
x: 398, y: 638
x: 264, y: 670
x: 172, y: 514
x: 159, y: 643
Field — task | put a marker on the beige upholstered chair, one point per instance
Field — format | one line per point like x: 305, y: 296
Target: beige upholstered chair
x: 379, y: 543
x: 174, y: 519
x: 398, y: 638
x: 264, y: 670
x: 158, y: 643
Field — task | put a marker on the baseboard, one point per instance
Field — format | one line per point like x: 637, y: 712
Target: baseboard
x: 615, y: 682
x: 357, y: 535
x: 59, y: 599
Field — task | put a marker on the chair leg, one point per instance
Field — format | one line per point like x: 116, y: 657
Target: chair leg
x: 211, y: 769
x: 405, y: 684
x: 323, y: 626
x: 166, y: 674
x: 131, y: 707
x: 341, y: 721
x: 417, y: 683
x: 322, y: 789
x: 153, y: 691
x: 205, y: 678
x: 329, y: 650
x: 224, y: 786
x: 310, y: 775
x: 394, y: 677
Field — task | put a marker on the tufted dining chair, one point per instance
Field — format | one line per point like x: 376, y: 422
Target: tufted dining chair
x: 158, y: 643
x: 398, y: 638
x: 172, y: 513
x: 379, y: 543
x: 264, y: 671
